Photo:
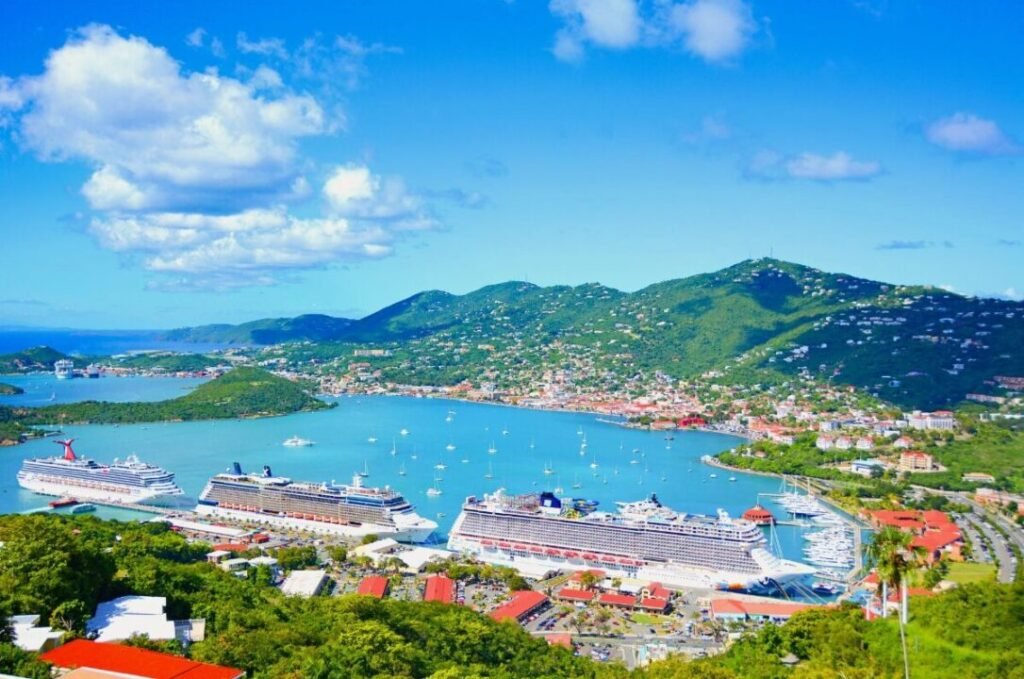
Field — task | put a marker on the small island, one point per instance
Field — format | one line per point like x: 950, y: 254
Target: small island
x: 10, y: 389
x: 240, y: 393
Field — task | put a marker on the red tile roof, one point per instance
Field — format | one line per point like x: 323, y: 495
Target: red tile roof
x: 658, y: 590
x: 616, y: 599
x: 756, y: 608
x: 575, y: 594
x: 653, y: 603
x: 522, y: 604
x: 134, y: 661
x: 560, y: 639
x: 373, y: 585
x: 439, y: 588
x: 935, y: 540
x: 230, y: 547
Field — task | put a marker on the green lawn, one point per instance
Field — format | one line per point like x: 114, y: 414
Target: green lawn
x: 964, y: 573
x: 647, y: 619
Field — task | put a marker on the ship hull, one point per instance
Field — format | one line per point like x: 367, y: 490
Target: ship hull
x: 674, y: 575
x: 416, y: 532
x: 119, y: 495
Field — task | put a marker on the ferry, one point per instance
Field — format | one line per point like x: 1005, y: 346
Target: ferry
x: 537, y: 533
x: 349, y: 510
x: 128, y: 481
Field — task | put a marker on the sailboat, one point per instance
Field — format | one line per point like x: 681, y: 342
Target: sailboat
x: 490, y: 471
x: 558, y: 488
x: 532, y: 444
x: 450, y: 447
x: 401, y: 470
x: 504, y: 432
x: 441, y: 466
x: 548, y: 469
x: 579, y: 431
x: 593, y: 462
x: 372, y: 439
x: 635, y: 460
x: 366, y: 470
x: 404, y: 432
x: 394, y: 447
x: 434, y: 490
x: 492, y: 450
x: 576, y: 482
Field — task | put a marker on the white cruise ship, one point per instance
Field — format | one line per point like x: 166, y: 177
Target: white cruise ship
x: 537, y: 533
x: 124, y: 481
x: 64, y: 369
x: 352, y: 510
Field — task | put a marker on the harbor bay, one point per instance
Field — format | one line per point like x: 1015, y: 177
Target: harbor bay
x: 446, y: 447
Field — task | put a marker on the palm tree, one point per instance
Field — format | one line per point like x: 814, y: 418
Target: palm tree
x: 893, y: 555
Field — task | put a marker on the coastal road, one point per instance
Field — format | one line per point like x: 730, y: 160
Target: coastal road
x: 1002, y: 551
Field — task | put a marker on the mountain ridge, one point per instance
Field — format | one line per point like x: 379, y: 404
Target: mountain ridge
x: 916, y: 345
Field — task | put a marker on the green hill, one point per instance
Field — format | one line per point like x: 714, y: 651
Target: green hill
x: 242, y: 392
x: 313, y: 327
x: 914, y: 346
x: 36, y: 358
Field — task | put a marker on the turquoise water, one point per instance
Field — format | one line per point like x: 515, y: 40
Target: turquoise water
x: 197, y: 450
x: 45, y: 389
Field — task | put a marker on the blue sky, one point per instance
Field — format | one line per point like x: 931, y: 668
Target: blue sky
x: 203, y: 162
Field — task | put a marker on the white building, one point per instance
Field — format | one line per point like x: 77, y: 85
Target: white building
x: 942, y: 420
x: 304, y: 583
x: 123, y: 617
x: 28, y: 636
x: 824, y: 443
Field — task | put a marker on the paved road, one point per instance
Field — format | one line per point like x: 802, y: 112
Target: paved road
x: 1002, y: 552
x: 972, y: 533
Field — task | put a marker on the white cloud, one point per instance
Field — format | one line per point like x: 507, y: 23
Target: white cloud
x: 605, y: 23
x: 192, y: 173
x: 717, y: 31
x: 968, y: 133
x: 269, y: 47
x: 196, y: 37
x: 839, y: 166
x: 341, y: 61
x: 714, y: 30
x: 353, y: 191
x: 158, y: 136
x: 713, y: 128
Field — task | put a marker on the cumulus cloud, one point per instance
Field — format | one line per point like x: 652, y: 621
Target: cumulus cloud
x: 716, y: 31
x: 353, y: 191
x: 713, y: 128
x: 193, y: 173
x: 196, y: 37
x: 968, y: 133
x: 839, y: 166
x: 605, y: 23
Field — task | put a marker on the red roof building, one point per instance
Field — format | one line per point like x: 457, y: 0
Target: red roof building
x: 439, y: 588
x: 768, y: 610
x: 935, y: 532
x: 373, y: 585
x: 521, y: 605
x: 136, y: 662
x: 621, y: 600
x: 653, y: 603
x: 560, y: 639
x: 759, y: 515
x: 573, y: 594
x: 230, y: 547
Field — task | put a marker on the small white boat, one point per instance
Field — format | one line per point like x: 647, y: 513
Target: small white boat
x: 394, y: 448
x: 434, y: 490
x: 712, y: 476
x: 450, y: 447
x: 490, y: 472
x: 401, y: 470
x: 492, y: 450
x: 504, y: 432
x: 404, y: 432
x: 297, y: 442
x: 372, y: 439
x: 732, y: 478
x: 365, y: 472
x: 441, y: 466
x: 548, y: 469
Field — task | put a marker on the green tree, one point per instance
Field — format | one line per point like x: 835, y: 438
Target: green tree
x: 70, y: 616
x: 893, y: 555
